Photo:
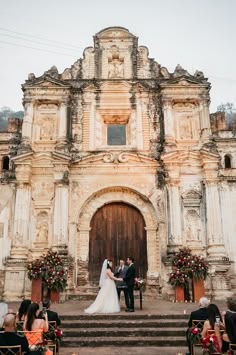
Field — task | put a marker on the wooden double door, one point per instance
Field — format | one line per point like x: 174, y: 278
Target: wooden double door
x: 117, y: 231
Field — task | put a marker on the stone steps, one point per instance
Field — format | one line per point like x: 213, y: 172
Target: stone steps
x: 124, y: 330
x: 118, y: 341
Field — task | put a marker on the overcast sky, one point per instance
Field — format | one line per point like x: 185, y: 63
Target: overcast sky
x: 198, y: 34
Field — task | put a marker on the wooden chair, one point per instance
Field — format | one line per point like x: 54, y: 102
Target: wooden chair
x: 34, y: 337
x: 19, y: 325
x: 197, y: 348
x: 10, y: 350
x: 53, y: 343
x: 232, y: 347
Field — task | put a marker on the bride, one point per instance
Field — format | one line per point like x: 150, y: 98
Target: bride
x: 107, y: 298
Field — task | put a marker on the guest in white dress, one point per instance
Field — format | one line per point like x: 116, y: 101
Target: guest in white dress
x: 107, y: 299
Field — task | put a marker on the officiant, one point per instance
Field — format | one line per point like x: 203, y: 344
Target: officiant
x: 120, y: 271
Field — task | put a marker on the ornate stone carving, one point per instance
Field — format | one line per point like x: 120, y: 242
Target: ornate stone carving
x: 143, y: 63
x: 42, y: 232
x: 115, y: 64
x: 88, y: 63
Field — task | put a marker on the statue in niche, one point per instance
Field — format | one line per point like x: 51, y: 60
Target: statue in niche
x: 88, y: 63
x: 185, y: 128
x: 115, y: 64
x: 144, y: 70
x: 42, y: 232
x: 47, y: 128
x: 193, y: 228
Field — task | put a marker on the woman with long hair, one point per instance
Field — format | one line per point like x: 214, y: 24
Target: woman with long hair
x: 213, y: 323
x: 107, y: 299
x: 21, y: 314
x: 34, y: 327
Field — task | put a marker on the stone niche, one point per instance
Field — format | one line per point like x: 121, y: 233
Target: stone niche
x: 192, y: 217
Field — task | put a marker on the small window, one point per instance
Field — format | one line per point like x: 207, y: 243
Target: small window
x: 227, y: 162
x: 5, y: 163
x: 116, y: 134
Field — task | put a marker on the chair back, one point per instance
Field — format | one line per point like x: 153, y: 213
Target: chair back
x: 198, y: 323
x: 34, y: 337
x: 50, y: 334
x: 19, y: 325
x: 232, y: 347
x: 10, y: 350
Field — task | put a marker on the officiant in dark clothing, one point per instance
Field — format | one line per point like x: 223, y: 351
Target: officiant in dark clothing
x: 129, y: 280
x: 52, y: 316
x: 120, y: 272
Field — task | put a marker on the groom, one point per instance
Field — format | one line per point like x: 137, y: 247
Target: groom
x: 129, y: 280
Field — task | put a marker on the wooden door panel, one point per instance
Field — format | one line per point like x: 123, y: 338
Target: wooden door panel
x: 117, y: 231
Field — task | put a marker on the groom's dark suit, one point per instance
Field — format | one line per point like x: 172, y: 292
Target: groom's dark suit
x: 129, y: 280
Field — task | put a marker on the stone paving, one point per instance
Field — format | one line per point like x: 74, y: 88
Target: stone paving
x: 159, y: 306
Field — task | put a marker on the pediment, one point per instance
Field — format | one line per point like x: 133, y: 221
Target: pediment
x: 41, y: 159
x: 45, y: 81
x: 114, y: 32
x: 185, y: 80
x: 116, y: 158
x: 191, y: 195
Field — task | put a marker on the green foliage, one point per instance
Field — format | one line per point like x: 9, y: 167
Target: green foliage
x: 230, y: 113
x: 7, y: 112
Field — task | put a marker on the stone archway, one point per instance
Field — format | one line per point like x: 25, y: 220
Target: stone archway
x: 131, y: 197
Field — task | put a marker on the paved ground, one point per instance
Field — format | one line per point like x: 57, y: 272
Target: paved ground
x: 149, y: 307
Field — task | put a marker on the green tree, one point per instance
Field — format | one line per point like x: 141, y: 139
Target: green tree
x: 230, y: 113
x: 7, y: 112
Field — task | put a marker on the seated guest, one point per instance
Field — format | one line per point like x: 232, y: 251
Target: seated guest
x: 199, y: 314
x: 230, y: 321
x: 52, y: 316
x: 38, y: 326
x: 21, y: 314
x: 3, y: 312
x: 9, y: 337
x: 213, y: 322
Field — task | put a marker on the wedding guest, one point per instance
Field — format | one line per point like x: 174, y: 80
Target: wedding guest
x: 199, y: 314
x: 9, y: 337
x: 33, y: 323
x: 213, y: 322
x: 21, y: 314
x: 52, y: 316
x: 230, y: 321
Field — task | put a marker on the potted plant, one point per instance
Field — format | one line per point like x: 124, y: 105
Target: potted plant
x: 35, y: 270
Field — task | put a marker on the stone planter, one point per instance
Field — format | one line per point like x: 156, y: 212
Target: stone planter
x: 198, y: 289
x: 179, y: 294
x: 36, y: 290
x: 54, y: 296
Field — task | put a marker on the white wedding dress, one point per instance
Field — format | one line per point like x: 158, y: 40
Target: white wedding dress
x: 107, y: 299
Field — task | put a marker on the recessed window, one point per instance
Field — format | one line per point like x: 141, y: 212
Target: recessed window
x: 227, y: 162
x: 116, y: 134
x: 5, y: 163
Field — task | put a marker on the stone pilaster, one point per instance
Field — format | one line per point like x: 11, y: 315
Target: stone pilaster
x: 27, y: 123
x: 60, y: 235
x: 204, y: 119
x: 174, y: 212
x: 214, y: 225
x: 169, y: 123
x: 62, y: 135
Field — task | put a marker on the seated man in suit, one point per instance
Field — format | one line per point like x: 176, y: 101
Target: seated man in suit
x: 230, y: 323
x: 52, y: 316
x: 199, y: 314
x: 9, y: 337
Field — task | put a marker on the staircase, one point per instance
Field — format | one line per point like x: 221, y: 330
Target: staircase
x: 124, y: 330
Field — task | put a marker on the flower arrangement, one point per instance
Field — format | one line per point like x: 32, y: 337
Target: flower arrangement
x: 35, y: 269
x: 51, y: 269
x: 194, y: 335
x: 186, y: 266
x: 210, y: 345
x: 140, y: 284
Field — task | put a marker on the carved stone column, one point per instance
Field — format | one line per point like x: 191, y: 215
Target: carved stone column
x: 169, y: 123
x: 21, y: 220
x: 27, y: 123
x: 62, y: 135
x: 174, y: 212
x: 83, y: 256
x: 204, y: 119
x: 214, y: 225
x: 60, y: 235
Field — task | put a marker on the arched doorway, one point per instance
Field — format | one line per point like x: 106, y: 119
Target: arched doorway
x: 117, y: 230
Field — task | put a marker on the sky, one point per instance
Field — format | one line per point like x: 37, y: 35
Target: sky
x: 197, y: 34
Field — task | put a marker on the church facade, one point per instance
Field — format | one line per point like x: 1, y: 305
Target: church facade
x: 117, y: 156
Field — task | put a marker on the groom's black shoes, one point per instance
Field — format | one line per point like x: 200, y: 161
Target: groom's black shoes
x: 127, y: 310
x: 131, y: 310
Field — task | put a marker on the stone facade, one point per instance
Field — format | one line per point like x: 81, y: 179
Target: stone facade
x: 117, y: 126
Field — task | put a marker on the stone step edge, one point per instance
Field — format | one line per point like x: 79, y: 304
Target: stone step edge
x: 123, y: 329
x: 124, y: 316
